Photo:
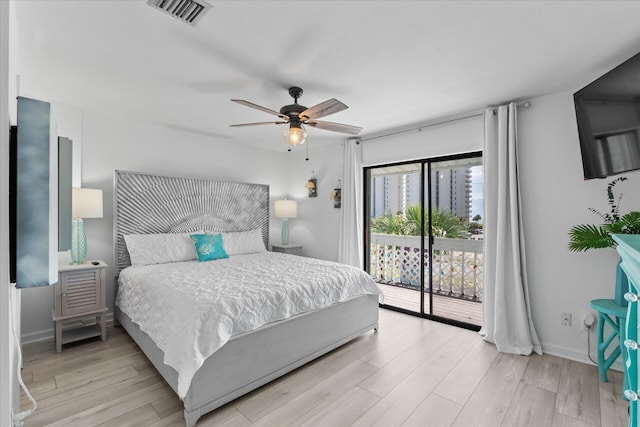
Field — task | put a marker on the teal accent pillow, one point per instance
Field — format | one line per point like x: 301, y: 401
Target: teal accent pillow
x: 209, y: 246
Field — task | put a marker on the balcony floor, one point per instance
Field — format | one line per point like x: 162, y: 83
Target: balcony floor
x: 452, y: 308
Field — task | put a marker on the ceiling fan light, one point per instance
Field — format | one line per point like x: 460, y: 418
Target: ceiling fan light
x: 295, y: 135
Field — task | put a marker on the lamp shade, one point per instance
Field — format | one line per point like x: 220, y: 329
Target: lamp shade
x: 285, y: 208
x: 86, y: 203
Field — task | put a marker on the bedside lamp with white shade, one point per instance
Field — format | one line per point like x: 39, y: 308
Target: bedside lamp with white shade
x: 285, y: 209
x: 85, y: 203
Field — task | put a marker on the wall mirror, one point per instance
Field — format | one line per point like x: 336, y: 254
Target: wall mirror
x: 69, y: 173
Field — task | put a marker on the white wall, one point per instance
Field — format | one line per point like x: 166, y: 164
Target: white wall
x: 318, y: 222
x: 69, y: 124
x: 112, y: 142
x: 6, y: 342
x: 9, y: 297
x: 554, y: 198
x: 454, y: 137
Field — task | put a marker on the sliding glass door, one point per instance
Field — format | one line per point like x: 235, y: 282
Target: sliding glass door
x: 424, y: 236
x: 454, y: 190
x: 395, y: 248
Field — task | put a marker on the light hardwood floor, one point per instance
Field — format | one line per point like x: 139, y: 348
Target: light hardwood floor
x: 413, y: 372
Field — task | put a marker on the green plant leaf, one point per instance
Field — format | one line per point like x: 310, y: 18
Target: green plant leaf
x: 586, y: 236
x: 628, y: 224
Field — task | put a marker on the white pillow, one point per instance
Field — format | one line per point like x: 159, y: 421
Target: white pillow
x: 243, y: 242
x: 147, y: 249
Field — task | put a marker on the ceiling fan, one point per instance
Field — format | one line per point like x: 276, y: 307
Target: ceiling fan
x: 297, y: 115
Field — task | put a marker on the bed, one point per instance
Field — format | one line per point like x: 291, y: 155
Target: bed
x: 154, y: 217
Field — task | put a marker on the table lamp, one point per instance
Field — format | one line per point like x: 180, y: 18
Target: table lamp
x: 285, y: 209
x: 85, y: 203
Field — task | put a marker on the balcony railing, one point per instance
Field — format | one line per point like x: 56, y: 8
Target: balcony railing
x: 458, y: 264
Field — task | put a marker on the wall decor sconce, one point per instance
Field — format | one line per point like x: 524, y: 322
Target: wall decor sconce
x: 312, y: 185
x: 336, y: 195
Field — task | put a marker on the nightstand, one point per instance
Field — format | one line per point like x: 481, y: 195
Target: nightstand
x: 287, y: 249
x: 79, y: 294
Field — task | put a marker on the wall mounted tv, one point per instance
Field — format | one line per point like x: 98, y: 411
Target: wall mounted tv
x: 608, y: 115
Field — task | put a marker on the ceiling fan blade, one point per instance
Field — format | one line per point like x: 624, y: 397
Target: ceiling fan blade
x: 257, y: 124
x: 261, y: 108
x: 325, y: 108
x: 335, y: 127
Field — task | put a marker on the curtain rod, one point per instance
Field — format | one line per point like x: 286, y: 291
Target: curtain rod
x: 435, y: 122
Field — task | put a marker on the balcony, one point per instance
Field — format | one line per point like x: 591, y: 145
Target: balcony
x: 458, y: 266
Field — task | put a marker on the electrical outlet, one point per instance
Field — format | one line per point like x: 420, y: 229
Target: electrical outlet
x: 589, y: 320
x: 566, y: 319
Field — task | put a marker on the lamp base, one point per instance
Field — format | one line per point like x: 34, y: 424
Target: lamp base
x: 78, y: 250
x: 285, y: 231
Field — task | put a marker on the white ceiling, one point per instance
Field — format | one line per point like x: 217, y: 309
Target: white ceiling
x: 393, y: 63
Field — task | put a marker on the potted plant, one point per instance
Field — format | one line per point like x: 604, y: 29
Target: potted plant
x: 589, y: 236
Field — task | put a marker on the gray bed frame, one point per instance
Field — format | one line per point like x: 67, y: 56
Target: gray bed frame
x: 145, y: 204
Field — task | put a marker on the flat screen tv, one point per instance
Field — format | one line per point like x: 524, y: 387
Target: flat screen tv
x: 608, y: 115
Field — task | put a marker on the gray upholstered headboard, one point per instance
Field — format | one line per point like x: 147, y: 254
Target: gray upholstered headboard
x: 146, y: 204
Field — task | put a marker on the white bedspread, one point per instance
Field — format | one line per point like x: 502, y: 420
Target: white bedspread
x: 191, y: 309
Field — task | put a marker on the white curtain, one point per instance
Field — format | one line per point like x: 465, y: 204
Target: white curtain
x: 507, y: 315
x: 351, y: 226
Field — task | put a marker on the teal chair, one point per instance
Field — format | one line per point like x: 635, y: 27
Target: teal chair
x: 613, y: 314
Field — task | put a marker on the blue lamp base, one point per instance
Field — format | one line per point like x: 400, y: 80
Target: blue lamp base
x: 285, y: 231
x: 78, y: 242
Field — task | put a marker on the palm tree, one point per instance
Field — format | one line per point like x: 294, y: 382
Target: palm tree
x: 413, y: 220
x: 388, y: 224
x: 444, y: 223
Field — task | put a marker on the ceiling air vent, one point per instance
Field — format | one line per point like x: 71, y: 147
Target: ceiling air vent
x: 189, y: 11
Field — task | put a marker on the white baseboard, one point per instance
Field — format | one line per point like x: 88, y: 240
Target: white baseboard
x: 577, y: 356
x: 38, y: 336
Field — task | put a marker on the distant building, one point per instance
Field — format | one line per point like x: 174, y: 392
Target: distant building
x: 450, y: 189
